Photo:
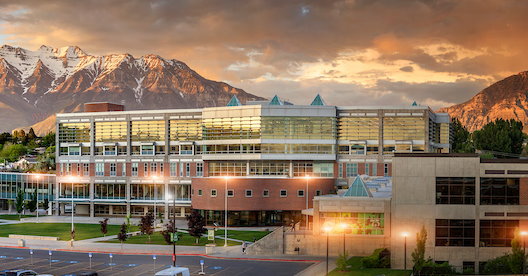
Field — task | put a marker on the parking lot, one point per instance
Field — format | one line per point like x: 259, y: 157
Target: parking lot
x: 73, y: 263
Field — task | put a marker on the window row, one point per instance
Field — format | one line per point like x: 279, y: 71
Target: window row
x: 299, y: 168
x: 119, y: 169
x: 461, y: 232
x: 249, y: 193
x: 493, y: 191
x: 120, y: 192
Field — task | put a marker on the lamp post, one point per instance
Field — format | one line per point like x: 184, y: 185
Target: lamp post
x: 343, y: 227
x: 174, y: 226
x: 226, y: 178
x: 523, y: 235
x: 307, y: 177
x: 154, y: 178
x: 327, y: 228
x: 405, y: 234
x: 72, y: 180
x: 38, y: 178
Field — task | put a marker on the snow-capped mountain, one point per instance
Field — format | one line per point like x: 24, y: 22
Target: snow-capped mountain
x: 37, y: 84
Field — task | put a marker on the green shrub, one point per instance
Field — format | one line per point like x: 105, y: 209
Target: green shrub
x: 432, y: 268
x: 380, y: 258
x: 499, y: 265
x: 342, y: 263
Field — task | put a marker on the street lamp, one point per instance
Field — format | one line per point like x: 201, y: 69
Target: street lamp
x: 327, y: 228
x: 226, y: 178
x: 154, y: 178
x: 72, y: 179
x: 173, y: 226
x: 38, y: 178
x: 523, y: 235
x: 343, y: 226
x: 405, y: 234
x: 307, y: 177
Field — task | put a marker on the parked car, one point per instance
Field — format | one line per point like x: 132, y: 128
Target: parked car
x: 88, y: 273
x: 21, y: 272
x: 174, y: 271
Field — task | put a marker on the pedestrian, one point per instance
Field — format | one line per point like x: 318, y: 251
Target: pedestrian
x: 244, y: 246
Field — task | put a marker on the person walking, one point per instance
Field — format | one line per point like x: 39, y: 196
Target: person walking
x: 244, y: 246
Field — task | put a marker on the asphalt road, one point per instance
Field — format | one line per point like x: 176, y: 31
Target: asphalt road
x: 72, y: 263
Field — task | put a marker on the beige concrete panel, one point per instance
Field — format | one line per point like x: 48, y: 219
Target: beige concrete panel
x: 455, y: 211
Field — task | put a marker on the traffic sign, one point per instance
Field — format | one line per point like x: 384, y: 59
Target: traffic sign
x: 211, y: 234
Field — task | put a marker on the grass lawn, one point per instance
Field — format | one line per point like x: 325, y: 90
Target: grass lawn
x: 243, y: 235
x: 60, y: 230
x: 185, y: 239
x: 355, y: 262
x: 15, y: 217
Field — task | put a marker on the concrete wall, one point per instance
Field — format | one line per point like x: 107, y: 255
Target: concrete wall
x: 272, y: 244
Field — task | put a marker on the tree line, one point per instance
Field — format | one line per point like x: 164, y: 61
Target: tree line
x: 500, y: 138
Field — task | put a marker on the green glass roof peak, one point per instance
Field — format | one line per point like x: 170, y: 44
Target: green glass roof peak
x: 358, y: 189
x: 318, y: 101
x: 234, y: 101
x: 275, y: 101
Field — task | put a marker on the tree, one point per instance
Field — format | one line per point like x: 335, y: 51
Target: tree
x: 13, y: 152
x: 31, y: 134
x: 46, y: 204
x: 418, y: 255
x: 461, y: 139
x: 516, y: 257
x: 122, y: 235
x: 32, y: 203
x: 48, y: 140
x: 146, y: 224
x: 5, y: 137
x: 501, y: 136
x: 196, y: 224
x: 169, y: 229
x: 19, y: 202
x: 104, y: 226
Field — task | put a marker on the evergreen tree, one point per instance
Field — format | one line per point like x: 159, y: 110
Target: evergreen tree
x: 461, y: 139
x: 48, y: 140
x: 104, y: 226
x: 31, y: 134
x: 19, y: 202
x: 32, y: 203
x: 501, y: 135
x: 196, y: 224
x: 122, y: 235
x: 516, y: 257
x: 418, y: 255
x: 146, y: 224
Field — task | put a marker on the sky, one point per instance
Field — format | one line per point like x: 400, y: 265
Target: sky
x: 352, y: 52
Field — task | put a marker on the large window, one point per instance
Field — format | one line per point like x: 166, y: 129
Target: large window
x: 497, y: 233
x: 455, y: 232
x: 316, y: 169
x: 148, y: 131
x: 111, y: 131
x: 455, y: 190
x: 231, y: 128
x: 185, y: 130
x: 360, y: 223
x: 269, y: 168
x: 146, y: 191
x: 358, y: 128
x: 299, y: 128
x: 351, y: 169
x: 74, y: 132
x: 99, y: 169
x: 499, y: 191
x: 80, y: 190
x: 403, y: 128
x: 229, y: 168
x: 110, y: 191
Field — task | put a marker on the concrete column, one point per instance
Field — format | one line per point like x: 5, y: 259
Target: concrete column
x: 110, y: 210
x: 182, y: 211
x: 92, y: 209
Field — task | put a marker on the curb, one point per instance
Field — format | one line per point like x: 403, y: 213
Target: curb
x: 169, y: 254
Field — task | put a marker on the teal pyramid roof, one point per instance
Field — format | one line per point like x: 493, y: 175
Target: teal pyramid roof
x: 358, y: 189
x: 318, y: 100
x: 414, y: 104
x: 275, y: 101
x: 234, y: 101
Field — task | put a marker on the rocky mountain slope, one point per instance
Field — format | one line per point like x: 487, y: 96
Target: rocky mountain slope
x: 506, y: 99
x: 37, y: 84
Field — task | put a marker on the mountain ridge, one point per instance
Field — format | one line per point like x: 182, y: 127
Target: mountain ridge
x: 37, y: 84
x: 504, y: 99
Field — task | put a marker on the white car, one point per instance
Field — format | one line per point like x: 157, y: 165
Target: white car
x: 174, y: 271
x: 21, y: 272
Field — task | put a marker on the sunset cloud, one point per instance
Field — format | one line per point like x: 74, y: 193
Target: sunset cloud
x: 386, y: 52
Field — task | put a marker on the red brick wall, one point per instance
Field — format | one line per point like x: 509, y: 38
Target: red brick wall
x: 361, y: 168
x: 101, y: 107
x: 257, y: 202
